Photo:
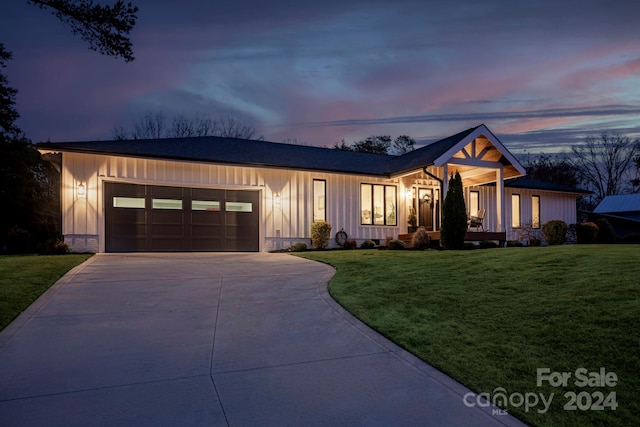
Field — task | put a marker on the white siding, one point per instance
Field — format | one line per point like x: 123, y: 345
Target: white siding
x: 553, y: 205
x: 281, y: 226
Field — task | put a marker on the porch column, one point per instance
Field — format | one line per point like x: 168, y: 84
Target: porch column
x: 500, y: 199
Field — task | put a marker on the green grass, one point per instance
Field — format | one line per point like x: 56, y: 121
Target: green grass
x: 490, y: 318
x: 23, y: 278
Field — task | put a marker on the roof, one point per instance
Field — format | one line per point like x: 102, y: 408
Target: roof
x: 426, y: 155
x: 234, y: 151
x: 534, y: 184
x: 212, y: 149
x: 619, y: 203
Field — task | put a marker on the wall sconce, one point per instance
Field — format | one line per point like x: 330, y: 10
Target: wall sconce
x: 409, y: 193
x: 81, y: 190
x: 276, y: 200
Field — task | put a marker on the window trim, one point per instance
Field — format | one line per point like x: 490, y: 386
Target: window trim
x: 386, y: 212
x: 519, y: 204
x: 471, y: 213
x: 324, y: 206
x: 533, y: 216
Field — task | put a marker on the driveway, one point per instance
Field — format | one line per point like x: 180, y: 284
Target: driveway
x: 212, y: 340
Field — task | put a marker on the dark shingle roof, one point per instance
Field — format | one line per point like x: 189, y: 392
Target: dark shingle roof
x: 534, y: 184
x: 428, y: 154
x: 261, y: 153
x: 235, y: 151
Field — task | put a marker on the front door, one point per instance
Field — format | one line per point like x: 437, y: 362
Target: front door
x: 425, y: 208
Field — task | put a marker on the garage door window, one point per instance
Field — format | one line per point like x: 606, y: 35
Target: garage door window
x: 239, y: 207
x: 166, y: 204
x: 128, y: 202
x: 205, y: 205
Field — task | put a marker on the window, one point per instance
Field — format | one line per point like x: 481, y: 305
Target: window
x: 239, y: 207
x: 319, y: 200
x: 128, y: 202
x: 166, y: 204
x: 474, y: 203
x: 535, y: 211
x: 515, y: 211
x: 205, y: 205
x: 378, y: 204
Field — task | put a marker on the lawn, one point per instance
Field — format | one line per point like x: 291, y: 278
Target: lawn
x: 490, y: 318
x: 23, y: 278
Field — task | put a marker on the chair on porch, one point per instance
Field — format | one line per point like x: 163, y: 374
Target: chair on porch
x: 476, y: 221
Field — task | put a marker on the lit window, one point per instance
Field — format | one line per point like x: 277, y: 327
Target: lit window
x: 239, y: 207
x: 535, y: 211
x: 474, y: 203
x: 378, y: 204
x: 515, y: 211
x: 205, y: 205
x: 175, y: 204
x: 128, y: 202
x: 319, y: 200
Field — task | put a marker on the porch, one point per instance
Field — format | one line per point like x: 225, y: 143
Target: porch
x: 471, y: 236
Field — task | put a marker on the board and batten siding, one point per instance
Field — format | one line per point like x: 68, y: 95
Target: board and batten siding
x: 553, y: 205
x: 281, y: 226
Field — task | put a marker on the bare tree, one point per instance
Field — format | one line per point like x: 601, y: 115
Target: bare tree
x: 154, y: 126
x: 228, y: 127
x: 605, y: 163
x: 185, y: 127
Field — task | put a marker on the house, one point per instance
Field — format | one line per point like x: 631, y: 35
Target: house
x: 622, y: 212
x: 223, y: 194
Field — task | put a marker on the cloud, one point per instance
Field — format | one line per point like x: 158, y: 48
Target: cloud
x: 596, y: 111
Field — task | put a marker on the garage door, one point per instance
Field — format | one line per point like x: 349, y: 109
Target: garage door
x: 148, y: 218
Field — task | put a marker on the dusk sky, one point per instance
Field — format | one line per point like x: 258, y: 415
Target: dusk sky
x: 540, y: 74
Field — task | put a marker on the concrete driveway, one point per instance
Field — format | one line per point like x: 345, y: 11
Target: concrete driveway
x: 208, y: 340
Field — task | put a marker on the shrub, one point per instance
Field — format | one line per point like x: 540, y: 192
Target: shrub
x: 61, y: 248
x: 470, y: 246
x: 368, y: 244
x: 454, y: 215
x: 298, y: 247
x: 534, y: 241
x: 350, y: 244
x: 395, y: 244
x: 605, y: 231
x: 555, y: 232
x: 488, y: 244
x: 515, y: 244
x: 587, y: 232
x: 421, y: 239
x: 320, y: 234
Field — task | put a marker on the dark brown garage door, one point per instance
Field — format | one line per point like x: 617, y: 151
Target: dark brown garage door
x: 148, y: 218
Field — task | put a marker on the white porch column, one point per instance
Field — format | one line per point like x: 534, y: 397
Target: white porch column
x: 500, y: 199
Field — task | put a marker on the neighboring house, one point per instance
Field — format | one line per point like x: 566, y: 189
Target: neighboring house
x: 622, y: 212
x: 222, y: 194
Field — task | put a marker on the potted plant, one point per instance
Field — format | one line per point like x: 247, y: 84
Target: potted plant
x: 412, y: 220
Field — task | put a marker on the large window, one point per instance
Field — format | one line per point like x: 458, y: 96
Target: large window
x: 515, y: 211
x: 378, y: 204
x: 535, y: 211
x: 474, y: 203
x: 319, y: 200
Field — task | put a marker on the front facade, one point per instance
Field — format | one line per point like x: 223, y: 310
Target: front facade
x: 218, y: 194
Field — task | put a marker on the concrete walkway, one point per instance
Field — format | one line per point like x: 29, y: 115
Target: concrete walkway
x: 212, y: 340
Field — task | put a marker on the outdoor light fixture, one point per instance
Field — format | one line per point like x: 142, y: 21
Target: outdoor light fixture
x: 276, y: 200
x: 409, y: 193
x: 81, y: 190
